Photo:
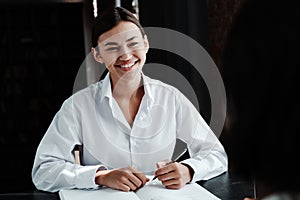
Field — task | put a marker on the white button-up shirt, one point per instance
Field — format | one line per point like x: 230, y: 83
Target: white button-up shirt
x: 93, y: 119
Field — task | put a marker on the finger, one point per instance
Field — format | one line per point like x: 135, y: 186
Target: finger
x: 170, y: 182
x: 135, y: 180
x: 123, y: 187
x: 162, y: 163
x: 136, y: 177
x: 164, y: 170
x: 129, y: 183
x: 174, y: 186
x: 141, y: 177
x: 168, y: 176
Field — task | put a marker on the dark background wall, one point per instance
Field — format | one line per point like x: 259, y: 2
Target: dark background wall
x: 221, y: 14
x: 41, y: 49
x: 187, y: 17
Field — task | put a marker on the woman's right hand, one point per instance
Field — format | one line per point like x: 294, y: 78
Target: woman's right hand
x: 124, y: 179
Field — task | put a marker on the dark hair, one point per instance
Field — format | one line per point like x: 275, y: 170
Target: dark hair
x: 109, y: 18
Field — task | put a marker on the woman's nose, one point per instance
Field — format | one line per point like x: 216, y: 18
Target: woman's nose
x: 125, y: 56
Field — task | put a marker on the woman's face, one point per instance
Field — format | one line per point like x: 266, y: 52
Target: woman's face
x: 123, y: 51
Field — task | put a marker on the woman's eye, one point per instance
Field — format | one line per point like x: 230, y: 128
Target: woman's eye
x: 133, y: 44
x: 112, y: 49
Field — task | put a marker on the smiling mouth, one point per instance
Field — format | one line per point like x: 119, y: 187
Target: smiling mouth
x: 127, y: 66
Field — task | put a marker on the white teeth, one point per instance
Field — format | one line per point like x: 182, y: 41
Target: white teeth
x: 127, y: 65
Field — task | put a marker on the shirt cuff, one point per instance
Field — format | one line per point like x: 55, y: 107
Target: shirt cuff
x: 198, y: 167
x: 191, y: 171
x: 204, y: 169
x: 85, y: 178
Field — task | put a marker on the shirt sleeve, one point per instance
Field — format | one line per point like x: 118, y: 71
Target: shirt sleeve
x: 54, y: 165
x: 207, y: 155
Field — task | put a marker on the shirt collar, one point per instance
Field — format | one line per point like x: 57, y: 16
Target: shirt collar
x: 147, y: 83
x: 106, y: 87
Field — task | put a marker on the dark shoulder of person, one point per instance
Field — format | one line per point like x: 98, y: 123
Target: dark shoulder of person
x: 260, y: 73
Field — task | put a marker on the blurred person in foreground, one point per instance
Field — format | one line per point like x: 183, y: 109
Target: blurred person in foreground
x: 262, y: 80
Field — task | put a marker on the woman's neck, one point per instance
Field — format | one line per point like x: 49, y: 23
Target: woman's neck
x: 126, y: 88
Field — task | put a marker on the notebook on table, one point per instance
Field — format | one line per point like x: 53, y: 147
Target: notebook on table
x: 153, y: 190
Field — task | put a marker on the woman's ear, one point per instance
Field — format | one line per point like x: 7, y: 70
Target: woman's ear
x: 146, y: 43
x: 97, y: 55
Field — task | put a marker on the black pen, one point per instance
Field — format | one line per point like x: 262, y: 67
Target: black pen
x: 172, y: 161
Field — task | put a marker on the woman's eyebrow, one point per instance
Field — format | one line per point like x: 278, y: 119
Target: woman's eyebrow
x: 110, y: 43
x: 132, y: 38
x: 115, y: 43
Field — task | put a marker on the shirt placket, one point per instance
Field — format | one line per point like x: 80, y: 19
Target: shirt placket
x: 134, y: 143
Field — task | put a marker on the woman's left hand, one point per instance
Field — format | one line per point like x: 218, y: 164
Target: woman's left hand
x: 174, y: 175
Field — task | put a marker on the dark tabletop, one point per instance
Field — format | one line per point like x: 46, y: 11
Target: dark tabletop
x: 227, y: 186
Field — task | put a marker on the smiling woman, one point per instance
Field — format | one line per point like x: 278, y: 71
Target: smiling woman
x: 126, y: 123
